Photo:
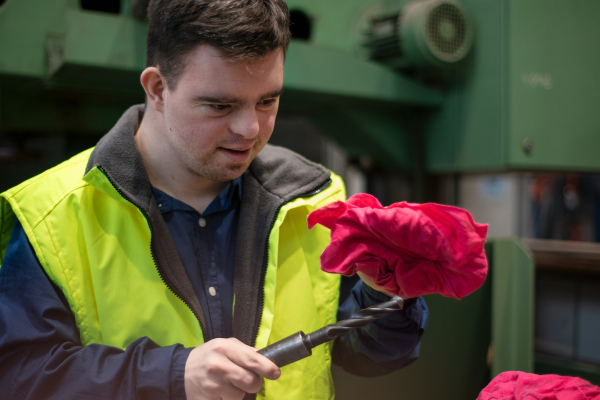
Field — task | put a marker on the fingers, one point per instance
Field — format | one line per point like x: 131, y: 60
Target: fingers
x: 248, y: 358
x: 226, y: 369
x: 370, y: 282
x: 248, y: 366
x: 244, y: 380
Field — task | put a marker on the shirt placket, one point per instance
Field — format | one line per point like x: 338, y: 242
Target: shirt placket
x: 208, y: 267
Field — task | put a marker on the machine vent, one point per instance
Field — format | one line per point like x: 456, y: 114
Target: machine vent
x: 447, y: 32
x: 425, y: 33
x: 300, y: 25
x: 108, y: 6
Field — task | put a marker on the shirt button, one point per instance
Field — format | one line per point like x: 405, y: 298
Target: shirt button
x: 202, y: 222
x: 212, y: 291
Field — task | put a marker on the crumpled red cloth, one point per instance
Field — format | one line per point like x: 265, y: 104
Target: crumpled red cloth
x: 408, y: 249
x: 517, y: 385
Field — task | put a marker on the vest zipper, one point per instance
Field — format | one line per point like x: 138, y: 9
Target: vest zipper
x: 263, y: 273
x: 317, y: 190
x: 261, y: 297
x: 162, y: 278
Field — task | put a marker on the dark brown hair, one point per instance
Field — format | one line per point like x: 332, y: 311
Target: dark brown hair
x: 240, y: 29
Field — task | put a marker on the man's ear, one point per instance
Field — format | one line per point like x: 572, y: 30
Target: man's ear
x: 154, y: 85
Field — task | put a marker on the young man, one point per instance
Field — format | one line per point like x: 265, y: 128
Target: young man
x: 151, y: 266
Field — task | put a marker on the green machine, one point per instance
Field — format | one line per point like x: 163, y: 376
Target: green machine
x: 422, y: 88
x: 517, y: 91
x: 517, y: 78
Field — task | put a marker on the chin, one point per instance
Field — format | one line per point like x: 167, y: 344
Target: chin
x: 229, y: 173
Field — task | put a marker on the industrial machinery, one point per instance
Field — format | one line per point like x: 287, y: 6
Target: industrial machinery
x: 426, y: 34
x: 454, y: 101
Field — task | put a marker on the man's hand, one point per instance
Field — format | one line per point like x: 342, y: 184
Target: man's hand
x: 369, y: 281
x: 226, y: 369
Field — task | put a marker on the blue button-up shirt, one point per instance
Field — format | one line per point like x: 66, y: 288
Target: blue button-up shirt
x: 206, y: 246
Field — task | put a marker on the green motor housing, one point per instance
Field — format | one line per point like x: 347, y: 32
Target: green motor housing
x: 426, y: 34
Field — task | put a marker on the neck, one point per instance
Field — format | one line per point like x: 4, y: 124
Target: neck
x: 169, y: 175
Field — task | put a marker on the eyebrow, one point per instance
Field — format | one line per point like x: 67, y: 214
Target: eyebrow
x: 229, y: 100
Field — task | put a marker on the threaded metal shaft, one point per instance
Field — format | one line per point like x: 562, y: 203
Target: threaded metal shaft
x: 358, y: 319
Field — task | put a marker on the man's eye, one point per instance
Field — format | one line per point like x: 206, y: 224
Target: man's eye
x: 267, y: 103
x: 219, y: 107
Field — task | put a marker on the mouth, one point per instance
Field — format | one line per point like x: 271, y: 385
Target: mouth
x: 236, y: 155
x: 237, y: 151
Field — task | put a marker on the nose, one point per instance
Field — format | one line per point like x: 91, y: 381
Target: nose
x: 246, y: 123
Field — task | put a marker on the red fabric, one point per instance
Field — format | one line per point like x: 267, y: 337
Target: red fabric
x: 408, y: 249
x: 516, y: 385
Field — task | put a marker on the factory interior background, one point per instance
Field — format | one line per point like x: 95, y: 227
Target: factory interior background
x: 488, y: 105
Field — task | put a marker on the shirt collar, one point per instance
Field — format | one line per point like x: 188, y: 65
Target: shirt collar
x: 230, y: 194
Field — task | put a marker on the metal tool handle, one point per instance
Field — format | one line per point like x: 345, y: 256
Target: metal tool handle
x: 288, y: 350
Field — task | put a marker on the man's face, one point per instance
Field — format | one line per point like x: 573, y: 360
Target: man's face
x: 222, y: 113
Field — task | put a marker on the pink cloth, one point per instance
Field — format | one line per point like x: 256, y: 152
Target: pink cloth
x: 516, y: 385
x: 408, y: 249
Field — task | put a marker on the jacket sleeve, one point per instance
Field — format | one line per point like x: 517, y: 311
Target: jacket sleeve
x: 41, y: 355
x: 385, y: 345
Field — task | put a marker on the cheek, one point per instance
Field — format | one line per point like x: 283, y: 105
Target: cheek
x: 190, y: 127
x: 267, y: 125
x: 176, y: 121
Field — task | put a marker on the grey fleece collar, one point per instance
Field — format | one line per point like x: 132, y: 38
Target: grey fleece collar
x: 117, y: 155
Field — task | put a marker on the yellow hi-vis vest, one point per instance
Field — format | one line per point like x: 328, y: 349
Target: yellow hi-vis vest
x: 95, y: 246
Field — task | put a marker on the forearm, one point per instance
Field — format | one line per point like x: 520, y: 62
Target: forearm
x: 41, y: 356
x: 65, y: 371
